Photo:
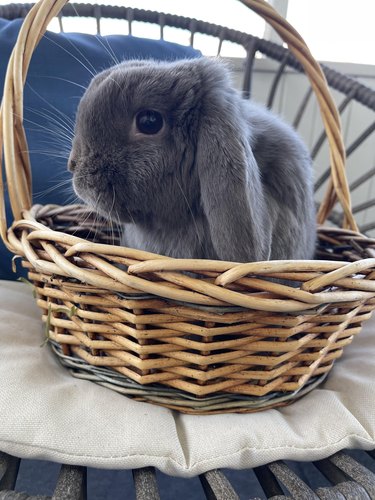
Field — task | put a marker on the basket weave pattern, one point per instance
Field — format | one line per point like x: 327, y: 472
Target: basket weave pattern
x: 228, y: 328
x: 200, y: 327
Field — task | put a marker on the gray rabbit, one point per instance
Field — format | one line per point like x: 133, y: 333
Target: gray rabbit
x: 189, y: 167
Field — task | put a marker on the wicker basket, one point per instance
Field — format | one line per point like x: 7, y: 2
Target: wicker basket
x: 229, y: 340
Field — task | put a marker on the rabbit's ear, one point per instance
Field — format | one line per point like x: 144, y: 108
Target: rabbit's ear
x: 231, y: 190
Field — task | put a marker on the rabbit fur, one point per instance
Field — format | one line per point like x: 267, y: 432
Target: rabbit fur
x: 223, y: 179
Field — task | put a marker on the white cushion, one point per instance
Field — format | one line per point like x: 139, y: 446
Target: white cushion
x: 47, y: 414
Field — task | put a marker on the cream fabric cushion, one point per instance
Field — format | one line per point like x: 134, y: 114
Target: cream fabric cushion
x: 47, y: 414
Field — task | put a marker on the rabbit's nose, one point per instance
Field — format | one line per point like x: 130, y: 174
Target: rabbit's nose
x: 72, y: 165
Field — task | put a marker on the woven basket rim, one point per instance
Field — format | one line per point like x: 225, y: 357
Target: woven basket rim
x: 105, y: 259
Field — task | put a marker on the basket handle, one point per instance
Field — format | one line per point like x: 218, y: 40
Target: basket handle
x: 13, y: 140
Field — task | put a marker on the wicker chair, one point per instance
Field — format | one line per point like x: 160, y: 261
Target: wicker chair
x: 348, y: 477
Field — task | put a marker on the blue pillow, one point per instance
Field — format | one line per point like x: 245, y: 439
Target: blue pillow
x: 61, y: 68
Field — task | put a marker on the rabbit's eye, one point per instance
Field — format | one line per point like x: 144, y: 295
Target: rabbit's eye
x: 149, y: 122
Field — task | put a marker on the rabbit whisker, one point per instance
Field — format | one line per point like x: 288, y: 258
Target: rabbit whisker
x: 44, y: 128
x: 191, y: 212
x: 108, y: 49
x: 59, y: 134
x: 64, y: 80
x: 73, y: 56
x: 120, y: 227
x: 110, y: 217
x: 63, y: 115
x: 45, y: 153
x: 55, y: 122
x: 59, y: 185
